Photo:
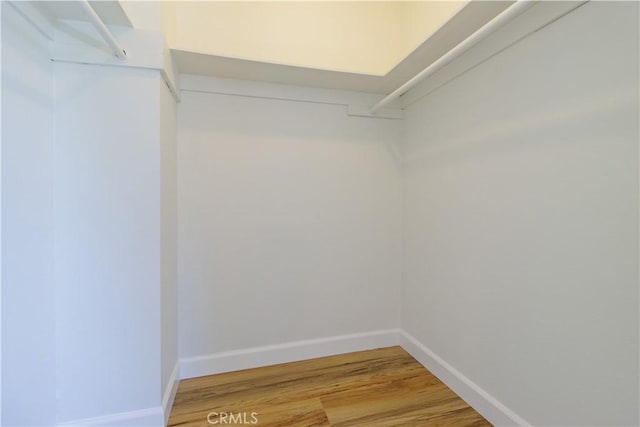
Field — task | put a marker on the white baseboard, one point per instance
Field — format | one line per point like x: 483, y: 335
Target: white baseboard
x: 228, y: 361
x: 487, y: 405
x: 170, y: 392
x: 150, y: 417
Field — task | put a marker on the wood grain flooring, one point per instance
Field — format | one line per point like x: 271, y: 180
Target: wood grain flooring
x: 376, y: 388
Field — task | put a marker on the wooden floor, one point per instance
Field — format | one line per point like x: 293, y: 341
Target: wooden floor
x: 383, y: 387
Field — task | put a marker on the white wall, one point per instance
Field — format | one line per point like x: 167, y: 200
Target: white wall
x: 520, y: 217
x: 28, y: 330
x: 169, y: 234
x: 289, y: 222
x: 108, y: 236
x: 521, y: 221
x: 90, y: 275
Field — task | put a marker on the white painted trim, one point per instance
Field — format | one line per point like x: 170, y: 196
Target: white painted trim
x: 532, y: 20
x: 149, y: 417
x: 169, y: 71
x: 170, y: 392
x: 75, y: 42
x: 275, y: 90
x: 479, y: 399
x: 288, y: 352
x: 102, y: 29
x: 382, y: 113
x: 513, y: 10
x: 357, y: 103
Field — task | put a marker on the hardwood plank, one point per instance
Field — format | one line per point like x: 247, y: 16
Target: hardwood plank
x: 299, y: 380
x: 303, y: 413
x: 382, y: 387
x: 399, y: 408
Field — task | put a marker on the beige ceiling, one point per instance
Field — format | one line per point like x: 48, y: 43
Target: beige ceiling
x: 364, y: 37
x: 369, y: 46
x: 309, y: 48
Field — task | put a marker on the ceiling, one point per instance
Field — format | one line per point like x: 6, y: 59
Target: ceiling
x: 471, y: 17
x: 465, y: 20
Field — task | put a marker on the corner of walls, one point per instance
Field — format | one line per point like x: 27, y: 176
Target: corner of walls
x: 260, y: 166
x: 107, y: 235
x: 170, y: 71
x: 487, y: 405
x: 74, y: 42
x: 170, y: 391
x: 130, y: 182
x: 77, y: 43
x: 478, y: 398
x: 521, y: 250
x: 168, y: 243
